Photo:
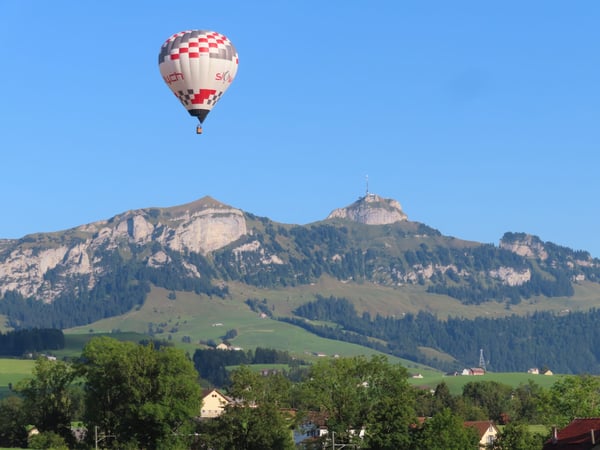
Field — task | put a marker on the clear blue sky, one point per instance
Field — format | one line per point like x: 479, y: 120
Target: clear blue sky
x: 478, y: 117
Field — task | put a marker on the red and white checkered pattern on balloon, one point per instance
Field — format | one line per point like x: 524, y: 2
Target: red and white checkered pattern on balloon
x: 191, y: 98
x: 196, y: 43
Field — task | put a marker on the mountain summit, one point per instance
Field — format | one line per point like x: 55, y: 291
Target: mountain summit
x: 371, y: 210
x: 106, y: 268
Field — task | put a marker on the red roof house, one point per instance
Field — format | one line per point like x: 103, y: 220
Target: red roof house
x: 580, y: 434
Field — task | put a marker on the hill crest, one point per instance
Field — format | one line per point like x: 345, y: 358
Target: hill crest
x: 203, y: 245
x: 371, y: 210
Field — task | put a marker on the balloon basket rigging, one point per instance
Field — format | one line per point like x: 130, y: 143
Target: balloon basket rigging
x: 198, y: 129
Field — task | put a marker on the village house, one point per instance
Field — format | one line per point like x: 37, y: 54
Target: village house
x: 486, y: 430
x: 580, y: 434
x: 213, y: 404
x: 473, y: 371
x: 312, y: 428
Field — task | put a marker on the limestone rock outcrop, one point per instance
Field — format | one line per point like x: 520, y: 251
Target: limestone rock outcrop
x: 371, y: 210
x: 200, y: 227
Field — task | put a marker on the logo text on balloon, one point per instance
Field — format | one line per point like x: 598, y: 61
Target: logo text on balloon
x: 173, y: 77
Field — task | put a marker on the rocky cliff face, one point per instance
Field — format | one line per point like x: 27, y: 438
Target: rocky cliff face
x: 525, y: 245
x: 532, y: 247
x: 192, y: 245
x: 371, y: 210
x: 200, y: 227
x: 42, y: 266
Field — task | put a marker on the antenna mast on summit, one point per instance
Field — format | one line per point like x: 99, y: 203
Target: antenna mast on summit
x: 367, y: 180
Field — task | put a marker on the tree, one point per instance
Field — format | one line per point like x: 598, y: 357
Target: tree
x: 250, y: 388
x: 257, y: 420
x: 445, y: 431
x: 425, y: 403
x: 49, y: 440
x: 47, y: 397
x: 570, y: 397
x: 138, y: 394
x: 492, y: 397
x: 442, y: 397
x: 357, y: 395
x: 391, y: 408
x: 13, y: 420
x: 515, y: 436
x: 525, y: 403
x: 240, y: 427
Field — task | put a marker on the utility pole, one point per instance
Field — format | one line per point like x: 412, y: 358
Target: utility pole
x: 334, y: 445
x: 481, y: 360
x: 101, y: 437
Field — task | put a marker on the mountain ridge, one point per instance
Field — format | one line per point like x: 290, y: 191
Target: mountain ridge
x: 203, y: 244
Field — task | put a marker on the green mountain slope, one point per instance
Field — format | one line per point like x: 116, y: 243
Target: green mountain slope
x: 216, y: 264
x: 189, y: 321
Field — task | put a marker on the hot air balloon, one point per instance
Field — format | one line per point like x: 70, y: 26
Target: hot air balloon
x: 198, y: 66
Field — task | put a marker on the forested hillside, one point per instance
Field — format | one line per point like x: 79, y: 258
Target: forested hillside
x: 107, y: 269
x: 20, y: 342
x: 275, y: 256
x: 565, y: 343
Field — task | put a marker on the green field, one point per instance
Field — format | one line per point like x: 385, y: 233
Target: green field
x: 12, y: 371
x: 199, y: 318
x: 456, y: 383
x: 203, y: 318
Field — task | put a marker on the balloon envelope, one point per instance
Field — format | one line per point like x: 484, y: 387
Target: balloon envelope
x: 198, y: 66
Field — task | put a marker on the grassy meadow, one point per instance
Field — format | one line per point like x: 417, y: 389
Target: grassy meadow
x: 190, y: 319
x: 456, y: 383
x: 12, y: 371
x: 202, y: 318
